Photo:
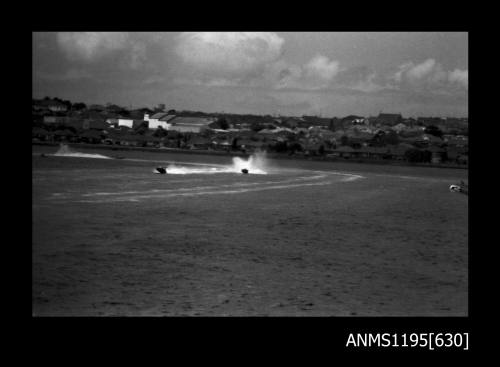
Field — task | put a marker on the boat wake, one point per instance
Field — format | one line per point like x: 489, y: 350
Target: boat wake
x: 256, y: 164
x: 65, y: 151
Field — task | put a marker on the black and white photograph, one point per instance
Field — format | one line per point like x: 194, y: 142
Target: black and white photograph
x: 250, y: 174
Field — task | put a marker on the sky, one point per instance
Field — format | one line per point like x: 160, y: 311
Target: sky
x: 278, y: 73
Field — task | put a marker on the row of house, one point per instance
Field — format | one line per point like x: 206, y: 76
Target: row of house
x: 398, y: 152
x: 163, y: 120
x: 356, y: 134
x: 77, y: 123
x: 167, y: 122
x: 49, y: 105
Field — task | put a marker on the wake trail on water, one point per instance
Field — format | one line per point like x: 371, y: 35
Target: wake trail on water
x: 256, y: 164
x: 65, y: 151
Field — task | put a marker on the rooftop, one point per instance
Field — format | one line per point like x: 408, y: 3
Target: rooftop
x: 159, y: 115
x: 193, y: 121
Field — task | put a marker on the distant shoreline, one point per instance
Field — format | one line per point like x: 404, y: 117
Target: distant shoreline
x: 241, y: 154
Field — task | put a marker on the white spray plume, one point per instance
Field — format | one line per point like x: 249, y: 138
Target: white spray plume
x: 65, y: 151
x: 255, y: 164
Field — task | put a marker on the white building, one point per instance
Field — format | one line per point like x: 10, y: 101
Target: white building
x: 126, y: 122
x: 159, y: 119
x: 360, y: 121
x: 131, y: 123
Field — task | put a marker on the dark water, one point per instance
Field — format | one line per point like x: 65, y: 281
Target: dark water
x: 112, y: 238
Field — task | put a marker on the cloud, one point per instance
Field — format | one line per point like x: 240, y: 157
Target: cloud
x: 271, y: 102
x: 69, y: 75
x: 416, y: 72
x: 209, y: 82
x: 91, y: 45
x: 317, y: 73
x: 322, y: 74
x: 242, y: 60
x: 228, y: 54
x: 429, y: 74
x: 137, y: 56
x: 368, y: 84
x: 361, y: 79
x: 459, y: 76
x: 130, y: 50
x: 321, y: 67
x: 252, y: 59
